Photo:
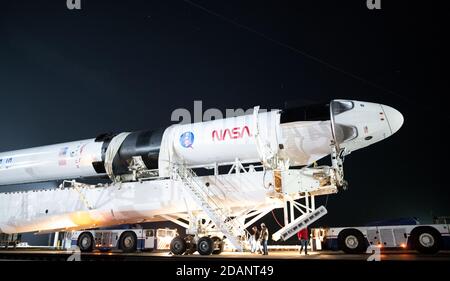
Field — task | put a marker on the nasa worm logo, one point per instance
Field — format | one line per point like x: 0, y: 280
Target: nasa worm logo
x: 73, y: 4
x: 187, y: 139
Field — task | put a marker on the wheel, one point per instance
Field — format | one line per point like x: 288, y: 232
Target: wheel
x: 85, y: 242
x: 128, y: 242
x: 217, y: 245
x: 205, y: 246
x: 426, y: 240
x: 178, y: 246
x: 352, y: 241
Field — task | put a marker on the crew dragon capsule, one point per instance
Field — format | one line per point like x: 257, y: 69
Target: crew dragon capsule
x: 297, y: 136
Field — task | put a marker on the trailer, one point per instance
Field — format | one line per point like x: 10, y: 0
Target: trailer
x: 424, y: 238
x: 126, y: 240
x: 9, y: 240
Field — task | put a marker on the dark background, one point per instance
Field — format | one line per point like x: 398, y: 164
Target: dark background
x: 126, y: 65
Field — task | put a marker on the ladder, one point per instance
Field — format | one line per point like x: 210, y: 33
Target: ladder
x: 299, y: 223
x: 212, y: 206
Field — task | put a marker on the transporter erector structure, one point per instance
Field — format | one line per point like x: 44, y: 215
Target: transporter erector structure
x: 215, y: 178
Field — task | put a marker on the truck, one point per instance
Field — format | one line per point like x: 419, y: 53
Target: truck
x: 126, y: 240
x: 9, y: 240
x: 391, y: 234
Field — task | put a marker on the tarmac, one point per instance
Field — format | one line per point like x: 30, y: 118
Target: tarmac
x: 62, y: 255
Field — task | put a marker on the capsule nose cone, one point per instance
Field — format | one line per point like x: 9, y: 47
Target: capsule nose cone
x: 394, y: 118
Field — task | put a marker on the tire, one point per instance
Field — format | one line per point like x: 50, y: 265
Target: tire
x: 352, y: 241
x: 128, y: 242
x: 426, y: 240
x: 85, y: 242
x: 205, y: 246
x: 178, y: 246
x: 217, y: 245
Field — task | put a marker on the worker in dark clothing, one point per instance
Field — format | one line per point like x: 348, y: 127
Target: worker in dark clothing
x: 263, y: 237
x: 303, y: 237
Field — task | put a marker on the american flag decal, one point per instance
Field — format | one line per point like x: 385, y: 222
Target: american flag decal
x: 62, y: 155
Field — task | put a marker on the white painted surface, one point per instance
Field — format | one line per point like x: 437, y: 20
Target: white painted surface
x: 60, y: 161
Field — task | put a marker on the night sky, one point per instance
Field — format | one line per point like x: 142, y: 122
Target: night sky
x: 123, y: 66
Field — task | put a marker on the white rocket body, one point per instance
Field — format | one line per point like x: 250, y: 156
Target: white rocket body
x: 259, y: 137
x: 51, y: 162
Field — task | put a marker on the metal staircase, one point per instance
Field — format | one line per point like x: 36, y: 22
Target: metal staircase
x: 212, y: 206
x: 301, y: 222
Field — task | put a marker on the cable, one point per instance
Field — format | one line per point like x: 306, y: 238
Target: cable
x: 303, y: 53
x: 313, y: 58
x: 264, y: 180
x: 273, y: 214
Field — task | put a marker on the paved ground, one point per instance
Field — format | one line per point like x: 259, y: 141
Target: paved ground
x: 39, y: 254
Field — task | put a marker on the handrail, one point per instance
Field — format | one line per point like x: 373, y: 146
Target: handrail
x: 231, y: 224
